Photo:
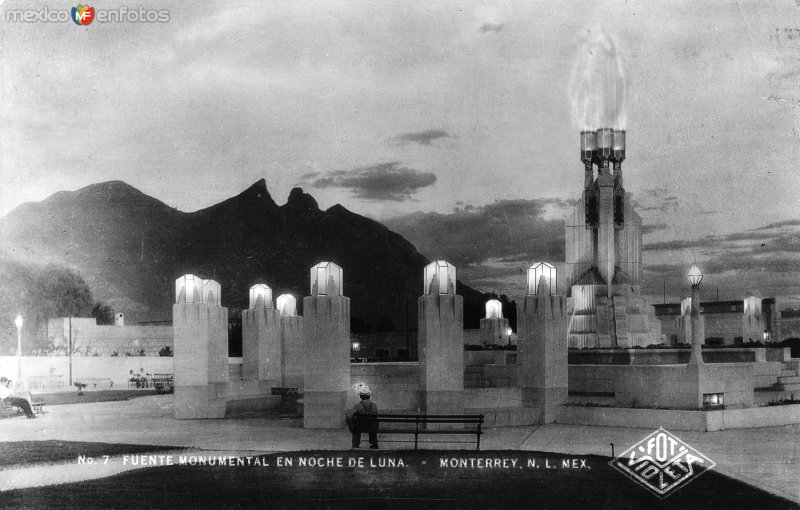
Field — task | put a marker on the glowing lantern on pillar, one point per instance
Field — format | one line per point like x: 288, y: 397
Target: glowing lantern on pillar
x: 535, y: 274
x: 212, y: 293
x: 287, y: 305
x: 326, y: 279
x: 440, y: 278
x: 263, y: 292
x: 494, y: 309
x: 189, y: 289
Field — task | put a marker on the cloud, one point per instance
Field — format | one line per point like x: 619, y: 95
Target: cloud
x: 649, y: 229
x: 665, y: 204
x: 507, y: 231
x: 422, y: 137
x: 382, y: 181
x: 756, y: 241
x: 491, y: 27
x: 779, y: 224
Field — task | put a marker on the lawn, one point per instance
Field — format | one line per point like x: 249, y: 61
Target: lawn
x: 88, y: 396
x: 421, y: 482
x: 36, y: 452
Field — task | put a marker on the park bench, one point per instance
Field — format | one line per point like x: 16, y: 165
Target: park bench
x: 163, y: 383
x: 418, y: 424
x: 36, y: 407
x: 287, y: 394
x: 94, y: 381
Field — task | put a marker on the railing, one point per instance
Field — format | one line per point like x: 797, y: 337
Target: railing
x: 46, y: 383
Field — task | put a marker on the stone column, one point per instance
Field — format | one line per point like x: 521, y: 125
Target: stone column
x: 542, y: 351
x: 200, y: 330
x: 326, y: 350
x: 606, y: 259
x: 697, y: 330
x: 440, y: 342
x: 291, y: 342
x: 262, y: 355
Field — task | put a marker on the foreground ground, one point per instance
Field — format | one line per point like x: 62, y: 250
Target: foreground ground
x: 395, y: 479
x: 764, y: 459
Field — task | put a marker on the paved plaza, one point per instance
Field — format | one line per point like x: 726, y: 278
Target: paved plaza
x: 767, y: 458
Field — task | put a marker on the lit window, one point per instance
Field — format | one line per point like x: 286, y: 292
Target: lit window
x: 713, y: 400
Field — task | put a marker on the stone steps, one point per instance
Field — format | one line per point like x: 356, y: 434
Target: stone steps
x: 788, y: 373
x: 789, y: 380
x: 790, y: 386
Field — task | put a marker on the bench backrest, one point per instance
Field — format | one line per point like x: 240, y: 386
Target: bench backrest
x: 421, y: 418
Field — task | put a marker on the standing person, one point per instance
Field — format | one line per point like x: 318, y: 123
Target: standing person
x: 7, y: 394
x: 364, y: 407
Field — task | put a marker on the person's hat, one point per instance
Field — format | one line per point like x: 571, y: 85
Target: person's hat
x: 3, y: 379
x: 362, y: 389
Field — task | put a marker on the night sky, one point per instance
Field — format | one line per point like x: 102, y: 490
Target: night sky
x: 454, y: 123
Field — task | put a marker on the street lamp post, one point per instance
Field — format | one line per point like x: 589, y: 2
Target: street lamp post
x: 695, y: 277
x: 18, y: 323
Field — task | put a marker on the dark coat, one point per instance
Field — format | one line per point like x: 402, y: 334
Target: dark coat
x: 364, y: 407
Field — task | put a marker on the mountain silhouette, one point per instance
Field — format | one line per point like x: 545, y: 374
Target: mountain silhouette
x: 131, y: 247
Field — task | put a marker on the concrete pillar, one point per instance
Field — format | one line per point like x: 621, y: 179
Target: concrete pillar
x: 262, y: 355
x: 697, y: 330
x: 606, y: 259
x: 494, y: 331
x: 753, y: 325
x: 440, y: 342
x: 200, y: 339
x: 292, y: 345
x: 542, y: 352
x: 326, y: 349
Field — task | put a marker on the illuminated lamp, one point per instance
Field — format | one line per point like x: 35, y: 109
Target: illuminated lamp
x: 287, y: 305
x: 439, y: 278
x: 538, y: 271
x: 262, y: 292
x: 212, y: 293
x: 695, y: 276
x: 326, y: 279
x: 494, y: 309
x: 189, y: 289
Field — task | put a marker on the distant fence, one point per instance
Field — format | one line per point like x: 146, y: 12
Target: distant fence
x: 46, y: 383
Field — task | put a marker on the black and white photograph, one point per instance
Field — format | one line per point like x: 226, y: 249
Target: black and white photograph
x: 356, y: 254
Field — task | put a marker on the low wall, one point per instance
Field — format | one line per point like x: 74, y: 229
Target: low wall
x: 766, y: 374
x: 675, y: 356
x: 671, y: 386
x: 702, y: 421
x: 116, y: 368
x: 89, y: 339
x: 481, y: 358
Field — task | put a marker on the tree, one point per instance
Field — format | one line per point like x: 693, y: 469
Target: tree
x: 103, y: 313
x: 40, y: 293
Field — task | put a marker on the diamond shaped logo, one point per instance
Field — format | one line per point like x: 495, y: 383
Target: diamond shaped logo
x: 662, y: 463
